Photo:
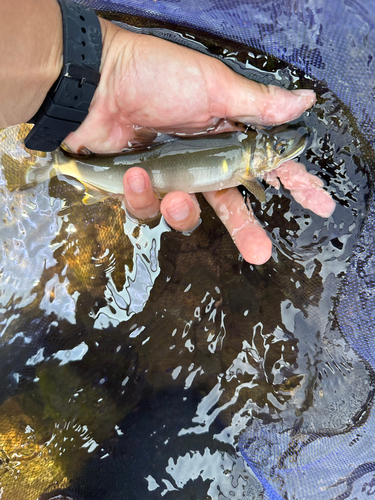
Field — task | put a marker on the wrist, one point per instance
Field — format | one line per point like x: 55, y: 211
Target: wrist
x: 51, y: 60
x: 31, y: 58
x: 67, y: 103
x: 116, y: 63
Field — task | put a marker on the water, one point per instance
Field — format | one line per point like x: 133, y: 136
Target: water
x: 133, y: 358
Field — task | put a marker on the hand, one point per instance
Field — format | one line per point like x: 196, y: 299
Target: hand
x: 148, y: 83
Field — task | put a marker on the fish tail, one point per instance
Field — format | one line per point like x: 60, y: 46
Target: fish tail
x: 22, y: 174
x: 43, y: 170
x: 39, y: 173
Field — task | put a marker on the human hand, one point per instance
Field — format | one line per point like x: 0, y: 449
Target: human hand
x: 148, y: 83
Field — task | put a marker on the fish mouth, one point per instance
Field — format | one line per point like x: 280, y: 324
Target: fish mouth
x: 290, y: 138
x: 297, y: 149
x: 292, y: 153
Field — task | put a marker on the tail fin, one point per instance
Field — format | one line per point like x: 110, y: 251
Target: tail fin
x: 19, y: 174
x: 39, y: 173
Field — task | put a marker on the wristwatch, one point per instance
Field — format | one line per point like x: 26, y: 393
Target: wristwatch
x: 67, y: 102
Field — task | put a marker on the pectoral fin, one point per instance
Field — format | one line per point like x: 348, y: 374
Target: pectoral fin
x: 255, y: 188
x: 94, y: 195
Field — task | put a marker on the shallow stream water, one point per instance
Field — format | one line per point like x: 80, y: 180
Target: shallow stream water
x: 133, y: 357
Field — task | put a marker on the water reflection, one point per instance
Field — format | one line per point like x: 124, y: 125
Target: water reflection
x: 133, y: 357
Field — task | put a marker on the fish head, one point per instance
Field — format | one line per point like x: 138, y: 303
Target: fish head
x: 268, y: 151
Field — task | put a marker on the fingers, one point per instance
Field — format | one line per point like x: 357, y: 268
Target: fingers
x: 140, y: 200
x: 306, y: 189
x: 248, y: 235
x: 180, y: 210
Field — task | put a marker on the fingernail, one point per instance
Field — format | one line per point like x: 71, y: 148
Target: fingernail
x: 179, y: 211
x: 143, y: 135
x: 137, y: 183
x: 65, y: 147
x: 82, y: 150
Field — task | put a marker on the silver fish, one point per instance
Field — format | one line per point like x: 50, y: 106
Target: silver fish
x: 192, y: 164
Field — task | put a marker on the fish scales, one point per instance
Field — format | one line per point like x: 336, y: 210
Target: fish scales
x: 181, y: 165
x: 191, y: 164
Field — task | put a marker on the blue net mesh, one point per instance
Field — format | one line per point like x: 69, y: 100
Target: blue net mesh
x: 334, y: 43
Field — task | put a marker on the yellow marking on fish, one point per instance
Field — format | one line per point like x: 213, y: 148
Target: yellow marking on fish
x: 224, y: 166
x: 248, y: 158
x: 269, y: 151
x: 70, y: 168
x: 86, y: 199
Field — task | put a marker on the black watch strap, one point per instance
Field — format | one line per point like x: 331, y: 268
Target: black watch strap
x: 67, y: 103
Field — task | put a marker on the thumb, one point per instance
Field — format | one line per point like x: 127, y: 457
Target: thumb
x: 248, y: 101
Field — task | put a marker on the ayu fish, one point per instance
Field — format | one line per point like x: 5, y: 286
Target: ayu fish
x: 191, y: 164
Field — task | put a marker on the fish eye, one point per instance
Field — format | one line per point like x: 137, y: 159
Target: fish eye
x: 281, y: 147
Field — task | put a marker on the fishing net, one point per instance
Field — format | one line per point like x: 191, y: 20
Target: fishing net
x: 268, y: 392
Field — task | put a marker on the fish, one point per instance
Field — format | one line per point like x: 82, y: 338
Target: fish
x: 194, y: 164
